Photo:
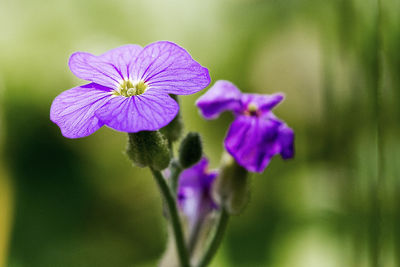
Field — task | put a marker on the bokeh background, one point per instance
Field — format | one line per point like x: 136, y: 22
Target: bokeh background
x: 80, y: 203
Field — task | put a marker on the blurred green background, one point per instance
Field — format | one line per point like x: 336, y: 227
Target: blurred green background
x: 80, y: 203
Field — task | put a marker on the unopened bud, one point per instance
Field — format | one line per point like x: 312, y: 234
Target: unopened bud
x: 173, y: 130
x: 190, y: 150
x: 148, y: 149
x: 231, y: 190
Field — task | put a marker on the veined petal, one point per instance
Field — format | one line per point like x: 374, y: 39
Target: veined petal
x: 223, y: 95
x: 122, y: 58
x: 147, y: 112
x: 73, y: 110
x: 263, y: 102
x: 253, y: 142
x: 168, y: 68
x: 108, y: 69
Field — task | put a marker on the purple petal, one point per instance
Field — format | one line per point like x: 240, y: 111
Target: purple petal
x: 222, y: 96
x: 253, y: 141
x: 194, y: 192
x: 73, y: 110
x: 286, y: 140
x: 147, y: 112
x: 169, y: 68
x: 191, y: 177
x: 263, y: 102
x: 108, y: 69
x: 123, y: 58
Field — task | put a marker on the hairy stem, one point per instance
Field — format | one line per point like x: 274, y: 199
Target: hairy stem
x: 174, y: 218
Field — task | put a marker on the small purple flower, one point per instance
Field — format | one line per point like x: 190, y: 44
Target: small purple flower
x: 129, y: 89
x: 255, y: 135
x: 195, y: 192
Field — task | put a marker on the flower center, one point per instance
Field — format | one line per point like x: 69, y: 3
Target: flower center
x: 128, y: 88
x: 252, y: 110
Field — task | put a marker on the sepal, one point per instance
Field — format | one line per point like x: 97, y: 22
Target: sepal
x: 148, y: 149
x: 231, y: 189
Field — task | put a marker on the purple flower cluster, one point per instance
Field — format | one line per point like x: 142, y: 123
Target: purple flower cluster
x: 256, y: 134
x: 129, y: 89
x: 195, y: 191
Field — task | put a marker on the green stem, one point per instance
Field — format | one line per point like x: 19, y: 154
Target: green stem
x: 194, y: 236
x: 171, y: 148
x: 174, y: 218
x: 216, y: 239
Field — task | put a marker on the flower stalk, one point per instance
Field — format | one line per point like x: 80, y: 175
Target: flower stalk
x: 195, y: 235
x: 174, y: 218
x: 215, y: 240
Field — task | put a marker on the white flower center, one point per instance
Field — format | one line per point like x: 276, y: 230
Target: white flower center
x: 129, y: 88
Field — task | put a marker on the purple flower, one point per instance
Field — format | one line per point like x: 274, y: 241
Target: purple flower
x: 129, y: 89
x: 195, y: 192
x: 255, y: 135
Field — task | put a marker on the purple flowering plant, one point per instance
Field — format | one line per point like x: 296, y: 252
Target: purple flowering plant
x: 134, y: 90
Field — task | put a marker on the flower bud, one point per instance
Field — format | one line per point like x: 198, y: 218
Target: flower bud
x: 231, y: 190
x: 173, y: 130
x: 190, y: 150
x: 148, y: 149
